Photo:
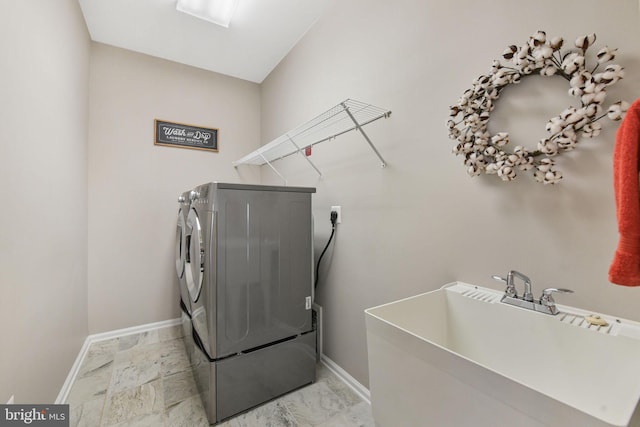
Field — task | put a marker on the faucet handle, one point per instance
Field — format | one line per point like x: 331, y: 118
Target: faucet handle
x: 547, y: 299
x: 510, y: 291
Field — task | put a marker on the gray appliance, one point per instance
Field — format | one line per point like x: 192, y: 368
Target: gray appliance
x: 249, y: 275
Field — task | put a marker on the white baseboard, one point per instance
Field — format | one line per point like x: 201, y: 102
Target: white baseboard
x: 103, y: 336
x: 75, y: 368
x: 358, y: 388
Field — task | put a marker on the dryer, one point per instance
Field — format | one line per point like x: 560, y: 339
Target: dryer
x: 249, y: 274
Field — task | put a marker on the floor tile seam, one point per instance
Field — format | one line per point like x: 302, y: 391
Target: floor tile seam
x: 91, y: 372
x: 106, y: 390
x: 111, y: 391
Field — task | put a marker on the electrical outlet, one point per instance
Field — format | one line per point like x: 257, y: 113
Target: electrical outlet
x: 10, y: 402
x: 337, y: 209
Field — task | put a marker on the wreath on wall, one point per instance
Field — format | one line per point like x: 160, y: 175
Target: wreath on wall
x: 469, y: 118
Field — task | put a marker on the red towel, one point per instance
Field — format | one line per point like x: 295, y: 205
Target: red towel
x: 625, y: 267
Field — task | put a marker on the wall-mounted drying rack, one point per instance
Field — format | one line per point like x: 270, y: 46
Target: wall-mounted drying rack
x: 344, y: 117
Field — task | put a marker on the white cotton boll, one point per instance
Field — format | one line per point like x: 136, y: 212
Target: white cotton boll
x: 569, y: 133
x: 509, y: 52
x: 555, y: 126
x: 550, y: 148
x: 543, y: 167
x: 556, y: 43
x: 592, y: 110
x: 578, y: 80
x: 539, y: 37
x: 612, y: 74
x: 569, y: 67
x: 576, y: 116
x: 590, y: 130
x: 615, y: 111
x: 500, y: 139
x: 614, y: 67
x: 543, y: 52
x: 527, y: 69
x: 566, y: 143
x: 605, y: 54
x: 589, y: 87
x: 587, y: 98
x: 506, y: 173
x: 599, y: 97
x: 473, y: 170
x: 608, y: 76
x: 575, y: 92
x: 523, y: 52
x: 583, y: 121
x: 584, y: 42
x: 542, y: 144
x: 548, y: 70
x: 567, y: 112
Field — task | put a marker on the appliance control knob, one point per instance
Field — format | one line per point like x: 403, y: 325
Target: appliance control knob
x: 194, y: 195
x: 181, y: 199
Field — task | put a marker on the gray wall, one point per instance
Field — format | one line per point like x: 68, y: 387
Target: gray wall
x: 44, y: 60
x: 134, y: 185
x: 422, y: 222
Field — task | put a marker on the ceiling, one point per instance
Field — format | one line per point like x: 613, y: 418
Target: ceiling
x: 261, y: 32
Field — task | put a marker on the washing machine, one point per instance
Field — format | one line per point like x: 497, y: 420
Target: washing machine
x: 181, y: 254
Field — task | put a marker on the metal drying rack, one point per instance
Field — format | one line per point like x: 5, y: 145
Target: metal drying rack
x: 346, y: 116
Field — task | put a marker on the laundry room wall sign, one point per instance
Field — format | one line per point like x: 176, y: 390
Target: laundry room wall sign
x: 185, y: 136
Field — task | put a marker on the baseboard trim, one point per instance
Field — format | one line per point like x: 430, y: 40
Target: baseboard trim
x: 63, y: 395
x: 358, y: 388
x: 103, y: 336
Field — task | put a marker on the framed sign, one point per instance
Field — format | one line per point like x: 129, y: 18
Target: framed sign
x: 185, y: 136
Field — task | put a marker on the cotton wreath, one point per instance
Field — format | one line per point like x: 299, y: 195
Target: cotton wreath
x: 487, y: 153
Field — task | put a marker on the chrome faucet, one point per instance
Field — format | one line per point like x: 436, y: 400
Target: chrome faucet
x: 545, y: 304
x: 528, y: 296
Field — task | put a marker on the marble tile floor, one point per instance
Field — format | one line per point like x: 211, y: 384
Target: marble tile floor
x: 145, y: 380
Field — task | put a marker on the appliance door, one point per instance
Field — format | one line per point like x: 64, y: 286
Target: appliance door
x: 180, y: 254
x: 264, y: 277
x: 194, y: 256
x: 199, y: 276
